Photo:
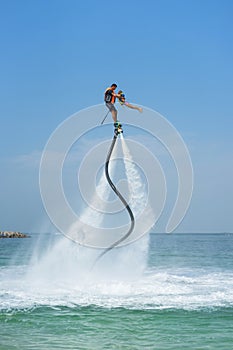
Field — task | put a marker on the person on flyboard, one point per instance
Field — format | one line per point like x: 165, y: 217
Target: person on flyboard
x: 110, y: 99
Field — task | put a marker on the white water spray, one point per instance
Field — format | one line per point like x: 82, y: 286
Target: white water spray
x: 138, y: 194
x: 67, y: 263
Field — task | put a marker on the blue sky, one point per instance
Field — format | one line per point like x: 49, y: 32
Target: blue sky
x: 58, y: 56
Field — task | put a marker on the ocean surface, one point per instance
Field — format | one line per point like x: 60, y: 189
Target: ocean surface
x: 162, y: 292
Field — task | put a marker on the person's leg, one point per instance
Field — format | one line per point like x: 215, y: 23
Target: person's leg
x: 114, y: 114
x: 133, y: 107
x: 113, y: 111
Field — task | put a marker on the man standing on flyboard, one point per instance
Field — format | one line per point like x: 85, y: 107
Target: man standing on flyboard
x: 110, y: 99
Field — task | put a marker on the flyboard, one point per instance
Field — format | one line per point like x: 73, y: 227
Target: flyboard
x: 117, y: 131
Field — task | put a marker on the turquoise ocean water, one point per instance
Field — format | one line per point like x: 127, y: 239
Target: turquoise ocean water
x: 163, y: 292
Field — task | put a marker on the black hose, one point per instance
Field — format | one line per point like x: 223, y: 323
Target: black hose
x: 120, y: 197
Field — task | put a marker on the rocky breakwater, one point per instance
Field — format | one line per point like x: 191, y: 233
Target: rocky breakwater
x: 12, y: 234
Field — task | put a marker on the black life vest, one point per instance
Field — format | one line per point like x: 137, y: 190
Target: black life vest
x: 108, y: 96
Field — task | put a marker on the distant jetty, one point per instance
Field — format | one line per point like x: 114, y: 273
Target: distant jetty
x: 12, y: 234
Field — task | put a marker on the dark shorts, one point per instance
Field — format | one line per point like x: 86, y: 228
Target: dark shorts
x: 111, y: 106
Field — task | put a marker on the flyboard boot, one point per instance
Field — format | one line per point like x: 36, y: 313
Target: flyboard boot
x: 118, y: 128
